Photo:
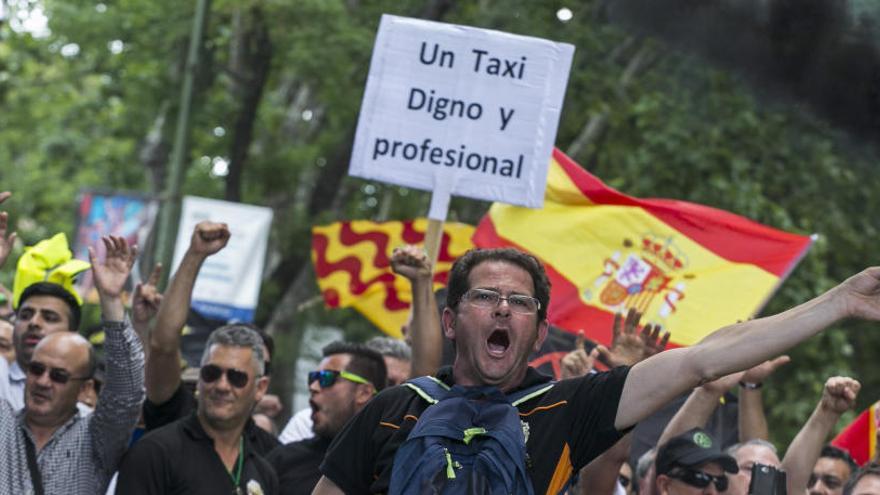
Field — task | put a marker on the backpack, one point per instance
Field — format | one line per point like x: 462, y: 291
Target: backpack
x: 468, y: 440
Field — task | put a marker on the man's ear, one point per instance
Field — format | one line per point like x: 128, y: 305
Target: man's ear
x: 363, y: 393
x: 86, y: 392
x: 262, y: 386
x: 662, y: 484
x: 449, y: 323
x: 543, y: 329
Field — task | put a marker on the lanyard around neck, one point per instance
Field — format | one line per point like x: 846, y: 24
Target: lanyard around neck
x: 236, y: 479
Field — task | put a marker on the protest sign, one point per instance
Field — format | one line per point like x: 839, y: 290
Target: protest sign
x: 460, y: 110
x: 229, y: 282
x: 100, y: 214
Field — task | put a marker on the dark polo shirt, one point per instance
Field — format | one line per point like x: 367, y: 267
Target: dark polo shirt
x: 297, y: 465
x: 568, y: 427
x: 180, y: 459
x: 183, y: 403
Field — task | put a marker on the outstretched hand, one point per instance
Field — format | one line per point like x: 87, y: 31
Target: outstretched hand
x: 628, y: 344
x: 578, y: 362
x: 411, y: 262
x: 759, y: 373
x: 146, y: 300
x: 110, y: 276
x: 839, y: 394
x: 209, y: 238
x: 6, y: 241
x: 861, y: 294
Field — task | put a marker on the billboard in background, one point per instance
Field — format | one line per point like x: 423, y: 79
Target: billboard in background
x: 99, y: 214
x: 229, y: 282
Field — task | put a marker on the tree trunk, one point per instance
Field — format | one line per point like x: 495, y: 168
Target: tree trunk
x: 251, y: 62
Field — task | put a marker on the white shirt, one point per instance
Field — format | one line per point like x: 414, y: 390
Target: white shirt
x: 12, y: 380
x: 298, y: 428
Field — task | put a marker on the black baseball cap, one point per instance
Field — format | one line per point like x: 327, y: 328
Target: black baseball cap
x: 693, y: 449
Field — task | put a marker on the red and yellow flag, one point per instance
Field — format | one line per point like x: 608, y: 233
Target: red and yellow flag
x: 352, y: 261
x: 688, y: 267
x: 860, y: 437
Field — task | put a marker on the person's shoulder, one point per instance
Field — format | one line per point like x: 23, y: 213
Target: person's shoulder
x: 169, y: 437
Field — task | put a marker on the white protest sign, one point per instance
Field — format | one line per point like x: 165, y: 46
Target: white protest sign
x: 460, y: 110
x: 228, y: 285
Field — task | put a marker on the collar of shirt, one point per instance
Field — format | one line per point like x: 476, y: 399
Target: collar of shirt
x: 193, y: 428
x: 16, y: 374
x: 533, y: 377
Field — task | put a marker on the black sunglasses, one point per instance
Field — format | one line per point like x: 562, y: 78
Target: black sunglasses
x: 210, y: 373
x: 699, y: 479
x: 57, y: 375
x: 623, y: 480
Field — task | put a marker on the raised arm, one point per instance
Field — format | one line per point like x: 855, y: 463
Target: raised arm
x: 657, y: 380
x: 119, y: 403
x: 163, y: 366
x: 751, y: 418
x: 699, y: 406
x: 838, y: 396
x: 6, y: 241
x: 425, y: 335
x: 145, y: 304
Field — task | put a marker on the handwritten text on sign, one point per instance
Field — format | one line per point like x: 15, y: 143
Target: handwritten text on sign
x: 470, y: 111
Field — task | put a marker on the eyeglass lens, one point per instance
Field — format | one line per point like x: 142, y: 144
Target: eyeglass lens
x: 489, y: 299
x: 326, y: 378
x: 210, y: 373
x: 57, y: 375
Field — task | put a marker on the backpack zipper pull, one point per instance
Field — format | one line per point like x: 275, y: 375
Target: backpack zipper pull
x: 450, y: 468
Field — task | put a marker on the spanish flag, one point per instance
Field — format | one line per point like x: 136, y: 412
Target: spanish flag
x: 688, y: 267
x: 860, y: 437
x: 352, y: 263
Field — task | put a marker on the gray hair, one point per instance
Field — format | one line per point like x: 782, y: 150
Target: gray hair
x: 733, y: 449
x: 644, y: 463
x: 387, y: 346
x: 238, y: 336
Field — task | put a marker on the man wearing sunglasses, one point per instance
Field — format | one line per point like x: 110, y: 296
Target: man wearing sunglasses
x: 44, y: 308
x: 168, y: 399
x: 48, y: 447
x: 208, y: 452
x: 693, y: 463
x: 348, y: 377
x: 496, y: 314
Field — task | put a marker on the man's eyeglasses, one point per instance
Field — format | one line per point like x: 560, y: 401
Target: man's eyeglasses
x: 210, y: 373
x: 326, y: 378
x: 487, y: 298
x: 699, y: 479
x: 57, y: 375
x: 830, y: 481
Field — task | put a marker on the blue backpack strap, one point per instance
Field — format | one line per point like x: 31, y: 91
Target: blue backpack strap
x: 431, y: 389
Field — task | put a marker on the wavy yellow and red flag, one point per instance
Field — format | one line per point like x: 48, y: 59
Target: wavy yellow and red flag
x: 352, y: 262
x: 688, y: 267
x: 859, y: 438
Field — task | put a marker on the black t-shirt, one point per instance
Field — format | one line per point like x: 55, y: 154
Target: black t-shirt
x: 180, y: 459
x: 183, y: 403
x: 568, y: 427
x: 297, y: 465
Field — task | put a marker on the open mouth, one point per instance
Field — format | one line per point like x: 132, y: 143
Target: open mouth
x: 498, y: 342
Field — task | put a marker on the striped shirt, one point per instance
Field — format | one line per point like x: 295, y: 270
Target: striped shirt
x: 82, y: 455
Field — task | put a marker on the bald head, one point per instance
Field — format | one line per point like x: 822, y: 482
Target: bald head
x: 60, y: 365
x: 72, y: 348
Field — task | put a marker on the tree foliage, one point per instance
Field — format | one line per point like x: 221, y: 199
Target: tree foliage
x: 278, y: 90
